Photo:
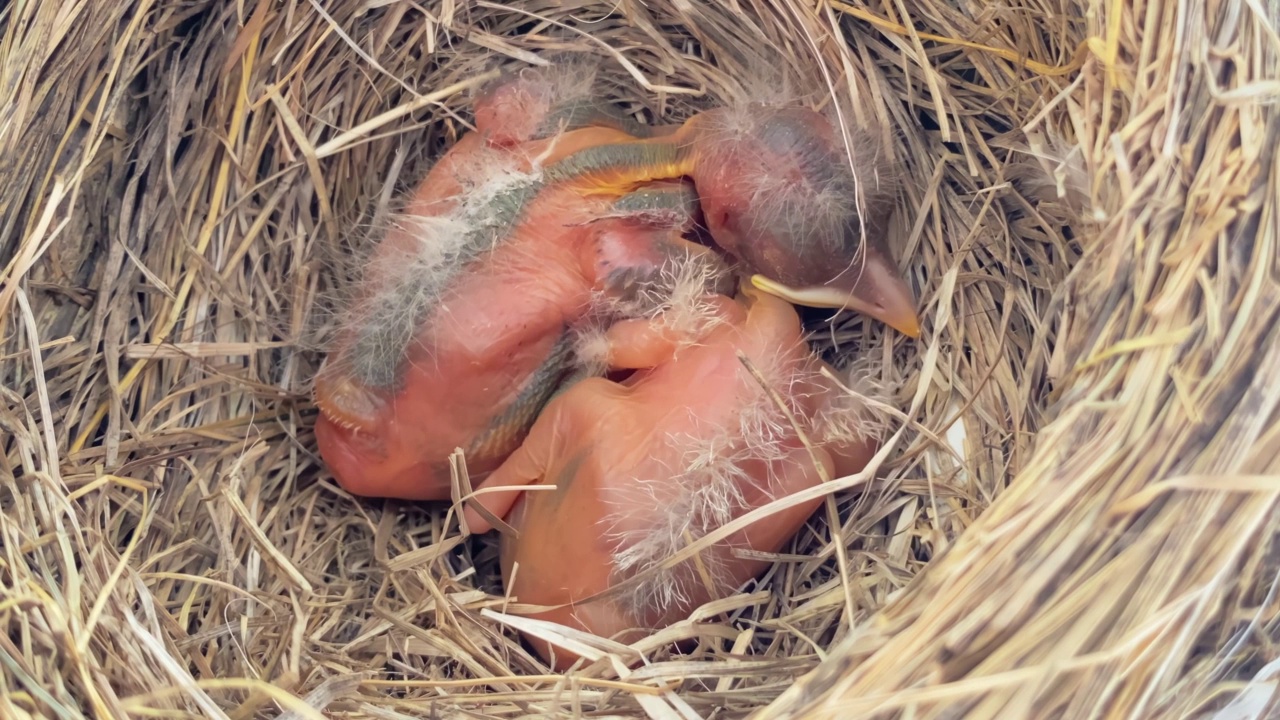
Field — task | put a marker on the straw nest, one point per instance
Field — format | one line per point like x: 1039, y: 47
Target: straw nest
x: 1075, y: 517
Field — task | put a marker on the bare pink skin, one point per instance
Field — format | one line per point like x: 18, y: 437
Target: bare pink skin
x: 498, y: 324
x: 492, y: 331
x: 593, y: 441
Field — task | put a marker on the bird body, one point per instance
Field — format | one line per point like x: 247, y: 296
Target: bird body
x: 475, y: 297
x: 640, y: 467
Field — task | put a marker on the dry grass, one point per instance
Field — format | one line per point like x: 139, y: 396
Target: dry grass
x: 1084, y: 488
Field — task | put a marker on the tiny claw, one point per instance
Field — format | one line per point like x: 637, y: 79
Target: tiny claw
x: 346, y: 402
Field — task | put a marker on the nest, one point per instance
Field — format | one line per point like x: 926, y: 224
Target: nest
x: 1074, y: 517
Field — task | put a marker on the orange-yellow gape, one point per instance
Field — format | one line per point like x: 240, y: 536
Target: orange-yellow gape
x: 641, y: 467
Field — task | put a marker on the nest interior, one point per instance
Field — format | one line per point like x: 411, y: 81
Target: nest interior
x: 1075, y: 515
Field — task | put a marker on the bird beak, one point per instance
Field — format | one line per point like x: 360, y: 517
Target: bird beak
x: 876, y: 290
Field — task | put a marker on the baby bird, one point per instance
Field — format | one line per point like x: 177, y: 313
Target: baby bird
x: 470, y: 303
x: 641, y: 467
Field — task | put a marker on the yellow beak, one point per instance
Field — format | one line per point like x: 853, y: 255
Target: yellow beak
x: 877, y: 294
